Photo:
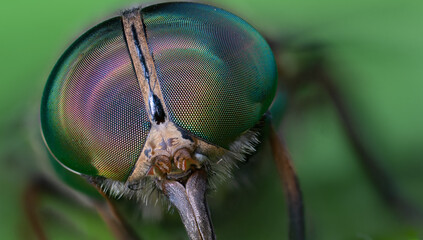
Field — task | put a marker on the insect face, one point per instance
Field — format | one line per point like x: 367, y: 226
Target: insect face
x: 157, y: 94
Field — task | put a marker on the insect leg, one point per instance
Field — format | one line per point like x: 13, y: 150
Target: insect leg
x: 40, y: 185
x: 31, y: 197
x: 291, y: 186
x: 111, y: 216
x: 314, y: 70
x: 378, y: 175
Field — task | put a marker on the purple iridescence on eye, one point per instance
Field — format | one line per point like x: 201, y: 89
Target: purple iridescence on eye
x: 93, y: 114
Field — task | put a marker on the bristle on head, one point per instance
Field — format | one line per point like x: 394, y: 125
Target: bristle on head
x: 219, y: 167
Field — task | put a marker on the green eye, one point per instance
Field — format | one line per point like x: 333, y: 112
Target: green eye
x: 93, y: 115
x: 217, y: 74
x: 157, y: 100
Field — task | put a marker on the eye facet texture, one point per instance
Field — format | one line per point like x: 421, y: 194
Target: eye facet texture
x: 217, y: 74
x: 93, y: 115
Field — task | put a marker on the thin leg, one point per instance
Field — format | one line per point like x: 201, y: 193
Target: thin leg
x: 291, y: 187
x: 114, y: 220
x: 31, y: 199
x: 106, y: 209
x: 380, y: 178
x: 314, y: 70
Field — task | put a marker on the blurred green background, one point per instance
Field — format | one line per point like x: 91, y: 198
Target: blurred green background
x: 373, y: 48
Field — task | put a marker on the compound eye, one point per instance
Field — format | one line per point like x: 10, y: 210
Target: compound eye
x: 92, y: 114
x: 217, y: 74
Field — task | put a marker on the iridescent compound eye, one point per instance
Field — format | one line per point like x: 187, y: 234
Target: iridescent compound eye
x: 93, y: 115
x: 216, y: 72
x: 217, y: 77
